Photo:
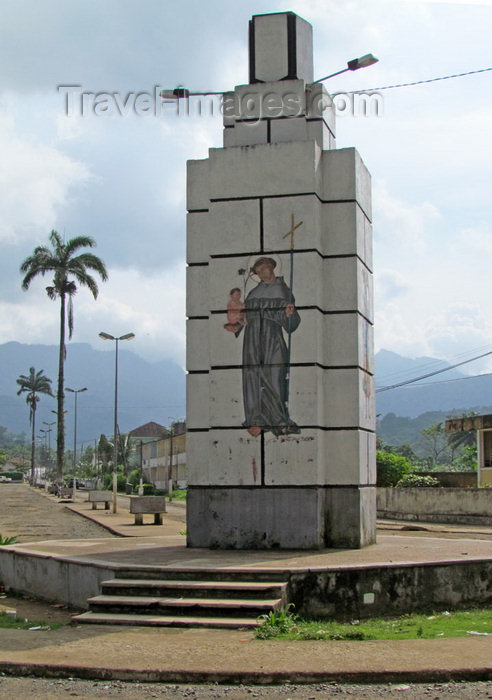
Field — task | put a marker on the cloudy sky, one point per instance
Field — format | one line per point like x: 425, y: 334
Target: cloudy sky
x: 121, y: 179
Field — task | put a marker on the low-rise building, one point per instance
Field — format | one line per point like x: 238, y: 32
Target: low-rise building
x: 165, y: 458
x: 483, y: 425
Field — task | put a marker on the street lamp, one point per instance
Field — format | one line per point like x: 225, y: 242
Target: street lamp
x: 181, y: 92
x: 108, y: 336
x: 172, y: 425
x: 49, y: 429
x: 354, y: 64
x: 44, y: 436
x: 74, y: 460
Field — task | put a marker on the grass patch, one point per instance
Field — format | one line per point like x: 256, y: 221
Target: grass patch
x: 21, y: 623
x: 463, y: 623
x: 5, y: 539
x: 179, y: 495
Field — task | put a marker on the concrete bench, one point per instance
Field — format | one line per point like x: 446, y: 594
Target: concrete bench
x: 96, y: 497
x: 65, y: 492
x: 155, y: 505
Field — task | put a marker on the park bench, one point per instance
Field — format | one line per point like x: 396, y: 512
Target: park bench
x: 65, y: 492
x: 155, y: 505
x: 96, y: 497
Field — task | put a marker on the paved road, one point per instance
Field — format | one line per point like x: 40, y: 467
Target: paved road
x: 30, y: 516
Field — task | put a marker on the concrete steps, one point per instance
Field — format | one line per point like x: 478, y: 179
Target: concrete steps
x: 164, y: 620
x: 202, y: 589
x: 176, y: 601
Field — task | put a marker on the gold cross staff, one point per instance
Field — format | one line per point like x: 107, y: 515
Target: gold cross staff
x: 292, y: 229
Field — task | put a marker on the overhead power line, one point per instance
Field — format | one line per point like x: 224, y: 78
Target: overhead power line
x: 451, y: 381
x: 421, y: 82
x: 432, y: 374
x: 430, y: 365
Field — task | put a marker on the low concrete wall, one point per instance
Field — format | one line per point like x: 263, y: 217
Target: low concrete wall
x: 373, y: 591
x: 454, y: 479
x: 343, y: 593
x: 54, y: 580
x: 470, y: 506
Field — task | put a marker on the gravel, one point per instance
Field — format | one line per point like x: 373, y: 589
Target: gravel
x: 44, y: 689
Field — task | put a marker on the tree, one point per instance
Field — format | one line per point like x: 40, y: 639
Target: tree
x: 391, y: 468
x: 435, y: 440
x: 33, y: 384
x: 125, y: 447
x: 465, y: 439
x: 62, y: 261
x: 105, y: 452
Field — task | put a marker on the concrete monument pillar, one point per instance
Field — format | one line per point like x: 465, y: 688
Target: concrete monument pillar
x: 280, y: 397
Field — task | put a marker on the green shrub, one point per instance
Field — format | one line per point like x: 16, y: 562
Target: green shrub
x: 14, y: 475
x: 120, y: 483
x: 414, y: 480
x: 391, y: 468
x: 276, y: 622
x: 134, y: 478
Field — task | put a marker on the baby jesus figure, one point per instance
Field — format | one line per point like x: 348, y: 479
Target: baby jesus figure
x: 236, y: 317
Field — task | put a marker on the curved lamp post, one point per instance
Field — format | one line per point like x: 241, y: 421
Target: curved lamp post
x: 108, y: 336
x: 181, y: 92
x: 354, y: 64
x: 49, y: 431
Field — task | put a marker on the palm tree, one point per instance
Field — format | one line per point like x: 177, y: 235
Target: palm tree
x: 34, y: 383
x: 61, y: 260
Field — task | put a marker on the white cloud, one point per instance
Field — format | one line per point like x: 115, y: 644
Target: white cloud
x: 388, y: 285
x: 454, y: 2
x: 191, y: 138
x: 36, y: 181
x: 400, y: 223
x: 439, y: 306
x: 71, y: 127
x: 150, y: 305
x: 476, y: 241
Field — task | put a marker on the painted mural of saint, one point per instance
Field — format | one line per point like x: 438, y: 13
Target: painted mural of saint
x: 270, y: 312
x: 236, y: 318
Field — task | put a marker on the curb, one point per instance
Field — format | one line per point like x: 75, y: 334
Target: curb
x: 87, y: 516
x: 16, y: 668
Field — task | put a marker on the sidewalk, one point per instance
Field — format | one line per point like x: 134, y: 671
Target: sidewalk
x: 175, y: 655
x: 206, y: 656
x: 122, y: 522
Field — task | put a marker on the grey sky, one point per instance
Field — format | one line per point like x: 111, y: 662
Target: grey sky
x: 122, y: 179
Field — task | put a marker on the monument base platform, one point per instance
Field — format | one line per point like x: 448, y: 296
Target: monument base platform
x: 438, y: 567
x: 287, y: 517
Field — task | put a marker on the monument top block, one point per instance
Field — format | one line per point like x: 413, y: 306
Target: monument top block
x: 280, y: 48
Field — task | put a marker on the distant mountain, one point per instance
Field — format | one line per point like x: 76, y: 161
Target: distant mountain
x: 156, y: 391
x: 146, y: 391
x: 402, y: 430
x: 392, y: 368
x: 450, y: 391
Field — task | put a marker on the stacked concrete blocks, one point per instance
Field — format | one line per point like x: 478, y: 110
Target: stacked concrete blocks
x: 316, y: 488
